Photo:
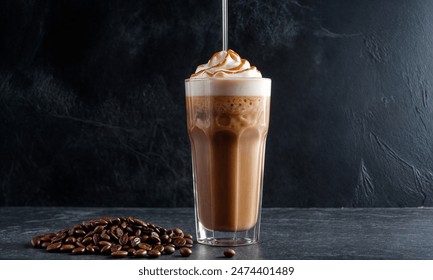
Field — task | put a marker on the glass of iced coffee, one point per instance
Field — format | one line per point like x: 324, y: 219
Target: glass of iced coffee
x: 227, y: 103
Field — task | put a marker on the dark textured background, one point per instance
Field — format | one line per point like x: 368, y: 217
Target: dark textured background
x: 92, y: 109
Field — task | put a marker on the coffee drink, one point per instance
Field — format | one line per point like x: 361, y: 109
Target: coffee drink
x: 227, y: 105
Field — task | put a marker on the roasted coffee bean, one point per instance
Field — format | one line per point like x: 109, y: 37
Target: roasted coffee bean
x: 135, y: 241
x: 169, y: 250
x: 154, y: 253
x: 95, y: 238
x: 79, y: 232
x: 90, y: 249
x: 36, y: 242
x: 98, y: 229
x: 179, y: 242
x: 89, y: 234
x: 47, y: 237
x: 187, y: 235
x: 54, y: 246
x: 105, y: 236
x: 104, y: 243
x: 106, y: 249
x: 111, y: 235
x: 119, y: 232
x: 139, y: 222
x: 229, y: 253
x: 67, y: 247
x: 164, y: 238
x: 58, y: 237
x: 87, y: 240
x: 70, y: 240
x: 119, y: 254
x: 159, y: 248
x: 99, y: 222
x: 116, y: 247
x: 140, y: 253
x: 178, y: 232
x: 124, y: 239
x: 145, y: 238
x: 145, y: 246
x: 185, y: 252
x: 79, y: 250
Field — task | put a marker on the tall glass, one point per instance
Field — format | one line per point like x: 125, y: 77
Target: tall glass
x: 228, y: 121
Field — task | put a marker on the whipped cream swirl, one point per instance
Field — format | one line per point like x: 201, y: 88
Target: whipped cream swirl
x: 226, y: 64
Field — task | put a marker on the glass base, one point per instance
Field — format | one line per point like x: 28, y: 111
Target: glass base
x: 227, y: 242
x: 227, y: 238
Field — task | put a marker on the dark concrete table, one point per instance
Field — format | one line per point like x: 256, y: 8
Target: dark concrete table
x: 286, y: 233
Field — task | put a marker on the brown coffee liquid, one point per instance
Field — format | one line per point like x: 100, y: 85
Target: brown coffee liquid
x: 228, y: 136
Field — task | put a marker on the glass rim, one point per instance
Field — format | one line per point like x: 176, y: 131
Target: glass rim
x: 228, y: 79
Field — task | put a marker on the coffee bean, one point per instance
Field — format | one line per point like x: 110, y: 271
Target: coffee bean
x: 70, y: 240
x: 36, y: 242
x: 79, y: 250
x: 119, y: 254
x: 86, y: 241
x: 139, y: 222
x: 140, y: 253
x: 47, y: 237
x: 187, y: 235
x: 54, y: 246
x: 108, y: 235
x: 119, y: 232
x: 124, y: 239
x: 229, y: 253
x: 106, y: 249
x: 179, y: 242
x: 105, y: 236
x: 98, y: 229
x: 164, y: 238
x: 159, y: 248
x: 95, y: 238
x: 185, y: 252
x: 154, y: 253
x: 104, y: 243
x: 116, y: 247
x: 169, y: 250
x: 135, y: 241
x: 89, y: 234
x: 79, y: 232
x: 178, y: 232
x: 144, y: 246
x: 58, y: 237
x: 67, y: 247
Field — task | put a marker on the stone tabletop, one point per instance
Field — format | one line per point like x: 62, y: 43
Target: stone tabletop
x: 373, y: 233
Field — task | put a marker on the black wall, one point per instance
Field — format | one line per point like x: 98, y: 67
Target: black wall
x: 92, y: 109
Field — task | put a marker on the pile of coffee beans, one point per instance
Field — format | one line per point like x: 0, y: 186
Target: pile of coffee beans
x: 118, y: 237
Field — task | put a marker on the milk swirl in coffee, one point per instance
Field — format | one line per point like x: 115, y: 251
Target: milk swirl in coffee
x: 228, y: 104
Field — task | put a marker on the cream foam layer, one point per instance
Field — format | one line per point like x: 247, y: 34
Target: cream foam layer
x: 226, y: 64
x: 228, y: 87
